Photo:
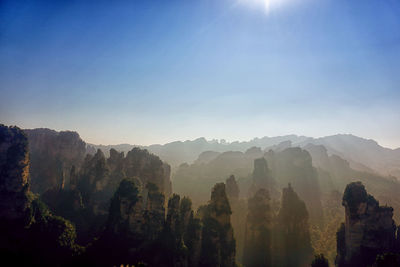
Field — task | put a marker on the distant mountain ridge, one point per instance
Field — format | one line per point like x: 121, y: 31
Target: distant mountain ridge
x: 362, y: 154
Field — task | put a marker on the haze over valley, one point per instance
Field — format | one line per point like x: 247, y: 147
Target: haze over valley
x: 200, y: 133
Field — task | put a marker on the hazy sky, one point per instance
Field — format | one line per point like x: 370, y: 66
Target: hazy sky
x: 146, y: 72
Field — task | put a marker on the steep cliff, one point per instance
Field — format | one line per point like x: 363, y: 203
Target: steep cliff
x: 29, y: 233
x: 218, y: 243
x: 258, y: 237
x: 238, y: 218
x: 294, y: 165
x: 262, y: 178
x: 52, y: 155
x: 138, y: 230
x: 368, y: 230
x: 14, y: 173
x: 292, y: 236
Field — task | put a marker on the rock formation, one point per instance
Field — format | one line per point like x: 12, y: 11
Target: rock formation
x: 293, y: 245
x: 218, y: 243
x: 368, y: 230
x: 258, y: 236
x: 52, y: 155
x: 238, y: 218
x: 138, y: 231
x: 14, y: 173
x: 294, y: 165
x: 29, y: 233
x: 232, y: 189
x: 262, y: 178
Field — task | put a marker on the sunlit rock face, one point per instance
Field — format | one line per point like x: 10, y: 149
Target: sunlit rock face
x: 368, y: 230
x: 218, y: 243
x: 14, y: 172
x: 52, y: 155
x: 258, y: 235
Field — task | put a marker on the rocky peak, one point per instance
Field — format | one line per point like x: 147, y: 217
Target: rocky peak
x: 218, y: 242
x: 254, y: 152
x: 14, y: 172
x: 52, y: 155
x: 219, y: 204
x: 293, y: 235
x: 173, y: 214
x: 258, y: 235
x: 262, y: 178
x: 368, y: 230
x: 232, y: 188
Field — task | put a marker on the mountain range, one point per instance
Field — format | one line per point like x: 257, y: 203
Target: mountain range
x: 362, y: 154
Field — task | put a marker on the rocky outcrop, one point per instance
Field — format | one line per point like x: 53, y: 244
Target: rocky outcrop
x: 238, y: 218
x: 218, y: 243
x: 52, y: 156
x: 368, y: 230
x: 262, y: 178
x: 232, y: 189
x: 149, y: 169
x: 29, y: 234
x: 294, y: 166
x: 99, y: 177
x: 138, y: 230
x: 126, y: 216
x: 14, y: 173
x: 258, y: 236
x: 292, y: 235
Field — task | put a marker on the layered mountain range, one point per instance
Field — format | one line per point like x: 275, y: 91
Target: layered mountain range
x: 275, y: 204
x: 362, y: 154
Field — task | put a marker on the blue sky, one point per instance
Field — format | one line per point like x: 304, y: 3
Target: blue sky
x: 145, y: 72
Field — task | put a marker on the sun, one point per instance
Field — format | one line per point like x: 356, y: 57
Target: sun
x: 266, y: 5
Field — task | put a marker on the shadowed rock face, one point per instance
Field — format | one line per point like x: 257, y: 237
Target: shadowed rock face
x: 257, y: 248
x: 262, y: 178
x: 232, y: 189
x: 294, y: 166
x: 52, y: 155
x: 218, y: 242
x: 29, y: 234
x: 100, y: 177
x: 368, y: 230
x: 293, y: 235
x: 14, y: 172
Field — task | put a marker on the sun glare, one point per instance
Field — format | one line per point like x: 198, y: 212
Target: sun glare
x: 266, y: 5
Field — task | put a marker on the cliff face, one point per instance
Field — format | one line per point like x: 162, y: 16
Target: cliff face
x: 218, y: 243
x: 52, y: 155
x: 29, y: 233
x: 14, y: 173
x: 232, y: 189
x: 149, y: 169
x: 138, y: 229
x: 238, y: 218
x: 294, y: 166
x: 136, y: 212
x: 368, y: 230
x: 262, y: 178
x: 258, y: 237
x: 292, y: 231
x: 99, y: 177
